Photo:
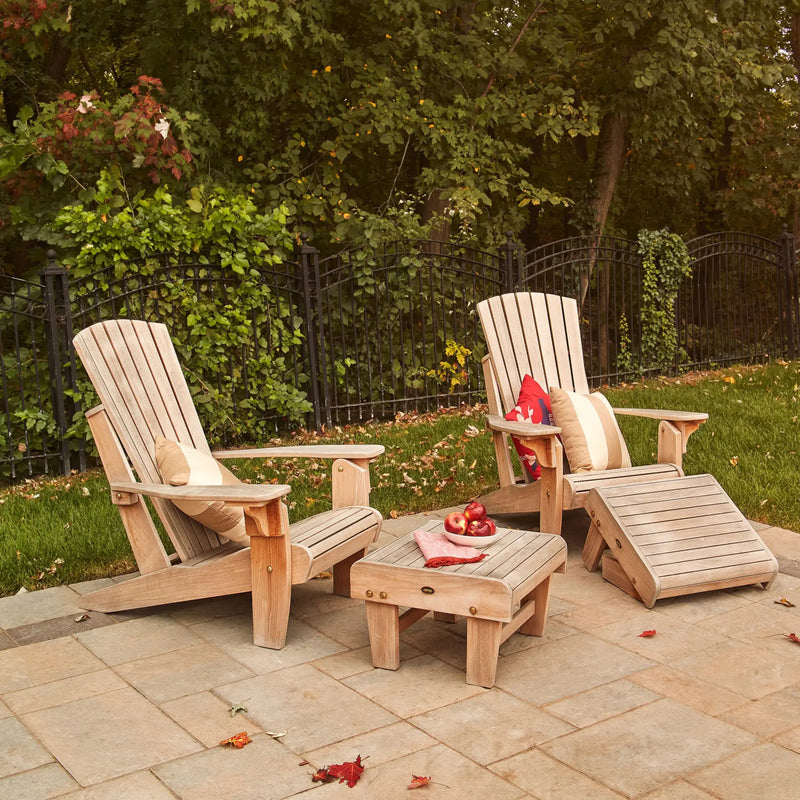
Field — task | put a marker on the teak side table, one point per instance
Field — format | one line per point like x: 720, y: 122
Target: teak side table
x: 508, y: 591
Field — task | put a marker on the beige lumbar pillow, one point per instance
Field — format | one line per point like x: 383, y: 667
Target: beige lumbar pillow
x: 592, y: 439
x: 180, y: 465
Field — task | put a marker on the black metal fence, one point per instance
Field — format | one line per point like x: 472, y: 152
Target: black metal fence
x: 382, y: 332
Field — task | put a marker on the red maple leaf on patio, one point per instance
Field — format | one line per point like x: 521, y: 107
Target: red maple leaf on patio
x: 238, y: 741
x: 792, y: 637
x: 646, y: 634
x: 350, y: 771
x: 418, y: 780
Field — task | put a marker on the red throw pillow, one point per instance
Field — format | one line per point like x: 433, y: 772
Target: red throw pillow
x: 533, y: 405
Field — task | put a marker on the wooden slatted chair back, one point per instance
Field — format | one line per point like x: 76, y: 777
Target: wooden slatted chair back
x: 135, y: 371
x: 533, y: 334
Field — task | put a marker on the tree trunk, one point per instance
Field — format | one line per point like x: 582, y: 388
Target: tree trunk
x: 794, y: 40
x: 436, y: 205
x: 608, y: 160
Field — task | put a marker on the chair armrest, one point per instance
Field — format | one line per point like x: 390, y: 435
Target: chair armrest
x: 520, y: 429
x: 670, y: 416
x: 351, y: 452
x: 244, y: 494
x: 542, y: 439
x: 674, y: 430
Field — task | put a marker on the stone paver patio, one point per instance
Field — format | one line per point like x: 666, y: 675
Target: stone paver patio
x: 133, y: 705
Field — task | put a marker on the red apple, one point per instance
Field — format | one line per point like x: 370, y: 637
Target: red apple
x: 492, y: 527
x: 478, y: 527
x: 475, y: 511
x: 456, y: 522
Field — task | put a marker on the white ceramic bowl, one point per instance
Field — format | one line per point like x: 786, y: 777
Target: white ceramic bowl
x: 470, y: 541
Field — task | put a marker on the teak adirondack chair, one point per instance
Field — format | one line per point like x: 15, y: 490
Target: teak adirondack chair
x: 539, y: 335
x: 135, y: 371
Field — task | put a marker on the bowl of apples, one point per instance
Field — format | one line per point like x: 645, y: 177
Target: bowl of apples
x: 470, y: 527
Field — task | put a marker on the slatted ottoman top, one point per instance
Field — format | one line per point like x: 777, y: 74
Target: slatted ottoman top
x: 676, y: 537
x: 490, y: 589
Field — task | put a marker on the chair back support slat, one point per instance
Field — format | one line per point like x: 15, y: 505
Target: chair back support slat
x: 136, y: 374
x: 533, y: 334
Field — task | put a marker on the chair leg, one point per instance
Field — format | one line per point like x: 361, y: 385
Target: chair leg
x: 341, y: 573
x: 271, y: 568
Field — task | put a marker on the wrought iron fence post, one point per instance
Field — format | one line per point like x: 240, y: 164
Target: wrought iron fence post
x: 510, y: 256
x: 57, y: 320
x: 309, y: 265
x: 789, y: 269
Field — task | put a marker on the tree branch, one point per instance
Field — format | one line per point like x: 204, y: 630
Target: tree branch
x: 531, y: 17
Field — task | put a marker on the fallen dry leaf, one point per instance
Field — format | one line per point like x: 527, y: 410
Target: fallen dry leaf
x: 238, y: 741
x: 82, y: 618
x: 646, y: 634
x: 793, y: 638
x: 322, y: 776
x: 349, y: 771
x: 734, y: 461
x: 784, y: 602
x: 418, y: 780
x: 394, y: 514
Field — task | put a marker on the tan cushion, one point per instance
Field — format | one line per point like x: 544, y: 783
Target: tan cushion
x: 592, y: 439
x: 180, y: 465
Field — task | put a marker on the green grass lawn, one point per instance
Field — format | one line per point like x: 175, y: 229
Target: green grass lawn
x: 55, y: 531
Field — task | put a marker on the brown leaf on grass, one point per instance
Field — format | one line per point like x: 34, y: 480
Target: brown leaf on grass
x: 784, y: 602
x: 646, y: 634
x: 394, y: 514
x: 418, y: 780
x: 792, y: 637
x: 238, y: 741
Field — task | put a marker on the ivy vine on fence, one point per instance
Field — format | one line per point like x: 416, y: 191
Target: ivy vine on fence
x: 665, y: 265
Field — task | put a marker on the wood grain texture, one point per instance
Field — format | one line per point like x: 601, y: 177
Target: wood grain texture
x: 675, y: 537
x: 506, y: 592
x: 539, y: 335
x: 136, y: 373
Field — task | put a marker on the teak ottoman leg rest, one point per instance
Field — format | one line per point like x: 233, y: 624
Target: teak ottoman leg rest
x: 506, y: 592
x: 673, y: 537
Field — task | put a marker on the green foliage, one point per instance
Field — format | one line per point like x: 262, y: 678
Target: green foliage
x: 228, y: 326
x: 485, y: 116
x: 665, y: 265
x: 57, y: 154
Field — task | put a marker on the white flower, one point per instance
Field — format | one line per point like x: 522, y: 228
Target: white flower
x: 85, y: 104
x: 162, y: 127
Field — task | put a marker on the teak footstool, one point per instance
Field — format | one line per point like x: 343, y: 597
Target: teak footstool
x: 673, y: 537
x: 505, y: 592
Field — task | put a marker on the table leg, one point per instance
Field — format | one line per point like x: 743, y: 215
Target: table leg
x: 483, y: 645
x: 541, y: 597
x: 383, y: 621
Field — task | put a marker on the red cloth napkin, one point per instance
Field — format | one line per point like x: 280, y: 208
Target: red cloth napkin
x: 439, y: 551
